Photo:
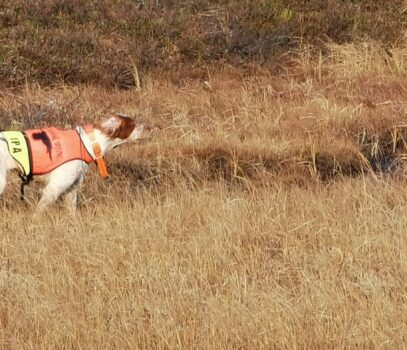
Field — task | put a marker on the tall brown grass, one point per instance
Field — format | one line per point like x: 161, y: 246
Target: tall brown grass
x: 267, y: 212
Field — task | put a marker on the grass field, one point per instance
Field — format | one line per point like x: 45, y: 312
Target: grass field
x: 268, y: 211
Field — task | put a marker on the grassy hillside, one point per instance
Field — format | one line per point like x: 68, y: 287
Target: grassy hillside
x: 114, y: 43
x: 268, y: 212
x: 269, y: 209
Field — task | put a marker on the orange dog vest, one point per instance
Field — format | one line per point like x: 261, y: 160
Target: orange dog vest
x: 51, y: 147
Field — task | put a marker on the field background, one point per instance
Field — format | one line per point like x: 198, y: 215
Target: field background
x: 269, y: 209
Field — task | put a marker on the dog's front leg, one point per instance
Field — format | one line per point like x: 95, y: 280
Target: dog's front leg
x: 50, y: 194
x: 64, y: 179
x: 71, y: 198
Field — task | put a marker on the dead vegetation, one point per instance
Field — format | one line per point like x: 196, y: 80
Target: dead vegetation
x: 268, y: 211
x: 97, y: 42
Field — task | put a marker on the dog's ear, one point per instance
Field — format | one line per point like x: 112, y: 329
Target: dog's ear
x: 111, y: 125
x: 118, y: 126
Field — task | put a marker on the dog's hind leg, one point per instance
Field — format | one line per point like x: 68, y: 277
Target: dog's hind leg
x: 3, y: 176
x: 5, y: 164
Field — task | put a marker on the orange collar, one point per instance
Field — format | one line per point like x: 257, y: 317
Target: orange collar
x: 99, y: 159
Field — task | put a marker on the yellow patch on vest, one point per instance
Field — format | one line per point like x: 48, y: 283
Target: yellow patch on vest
x: 18, y: 148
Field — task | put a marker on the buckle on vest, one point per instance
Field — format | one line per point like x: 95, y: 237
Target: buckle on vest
x: 99, y: 159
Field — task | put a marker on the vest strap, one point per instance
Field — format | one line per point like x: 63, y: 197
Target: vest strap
x: 25, y: 180
x: 99, y: 159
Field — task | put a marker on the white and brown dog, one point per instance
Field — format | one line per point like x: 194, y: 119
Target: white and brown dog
x: 62, y: 157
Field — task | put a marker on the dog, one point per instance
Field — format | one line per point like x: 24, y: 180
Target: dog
x: 62, y: 157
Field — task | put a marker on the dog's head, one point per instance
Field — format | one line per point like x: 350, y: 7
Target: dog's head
x: 121, y: 128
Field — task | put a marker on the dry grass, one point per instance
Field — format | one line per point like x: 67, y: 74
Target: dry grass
x: 268, y: 212
x: 55, y: 42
